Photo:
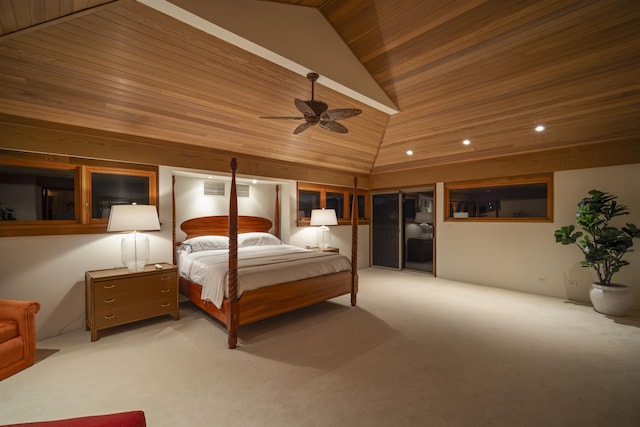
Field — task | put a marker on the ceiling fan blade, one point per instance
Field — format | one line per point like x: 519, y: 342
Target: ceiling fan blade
x: 284, y: 118
x: 341, y: 113
x: 301, y: 128
x: 333, y: 126
x: 304, y: 108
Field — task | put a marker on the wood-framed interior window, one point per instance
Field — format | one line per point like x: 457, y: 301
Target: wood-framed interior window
x: 317, y: 196
x: 513, y: 199
x: 108, y: 186
x: 54, y: 195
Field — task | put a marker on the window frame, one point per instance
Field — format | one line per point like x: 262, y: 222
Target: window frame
x: 546, y: 178
x: 83, y: 168
x: 323, y: 190
x: 88, y: 193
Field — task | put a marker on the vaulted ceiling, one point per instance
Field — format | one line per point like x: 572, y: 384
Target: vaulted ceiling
x: 487, y: 71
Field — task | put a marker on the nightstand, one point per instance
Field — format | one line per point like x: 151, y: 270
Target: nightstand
x: 117, y: 296
x: 329, y: 249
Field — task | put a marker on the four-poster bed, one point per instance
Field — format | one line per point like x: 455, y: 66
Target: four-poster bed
x: 241, y: 307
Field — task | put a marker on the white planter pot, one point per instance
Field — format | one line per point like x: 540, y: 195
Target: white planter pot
x: 613, y: 300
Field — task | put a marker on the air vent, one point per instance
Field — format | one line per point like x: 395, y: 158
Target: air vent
x: 244, y: 190
x: 213, y: 188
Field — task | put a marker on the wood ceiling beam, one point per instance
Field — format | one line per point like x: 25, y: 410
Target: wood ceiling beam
x: 38, y: 136
x: 612, y: 153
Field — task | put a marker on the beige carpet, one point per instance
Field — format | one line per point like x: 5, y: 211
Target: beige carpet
x: 417, y: 351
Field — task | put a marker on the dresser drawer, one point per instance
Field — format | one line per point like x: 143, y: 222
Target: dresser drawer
x: 135, y: 286
x: 133, y: 297
x: 118, y: 314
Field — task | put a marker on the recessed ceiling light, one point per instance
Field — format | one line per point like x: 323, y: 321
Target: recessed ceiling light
x: 539, y: 128
x: 409, y: 152
x: 466, y: 142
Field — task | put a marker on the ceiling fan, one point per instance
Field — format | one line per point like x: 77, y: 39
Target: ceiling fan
x: 316, y: 113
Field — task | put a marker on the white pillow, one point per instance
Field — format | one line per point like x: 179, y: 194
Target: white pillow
x: 257, y: 239
x: 205, y: 243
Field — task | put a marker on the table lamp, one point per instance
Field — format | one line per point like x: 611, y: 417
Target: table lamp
x: 323, y: 217
x: 134, y: 218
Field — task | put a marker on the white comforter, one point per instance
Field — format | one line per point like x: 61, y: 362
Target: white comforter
x: 258, y: 266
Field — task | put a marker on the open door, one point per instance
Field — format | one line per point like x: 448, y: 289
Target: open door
x: 403, y: 230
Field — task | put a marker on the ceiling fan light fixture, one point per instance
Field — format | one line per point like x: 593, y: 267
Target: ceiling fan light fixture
x: 316, y: 113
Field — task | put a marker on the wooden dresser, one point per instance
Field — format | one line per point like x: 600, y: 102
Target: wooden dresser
x: 116, y: 296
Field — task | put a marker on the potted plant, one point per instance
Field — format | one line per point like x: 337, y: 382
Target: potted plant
x: 603, y: 247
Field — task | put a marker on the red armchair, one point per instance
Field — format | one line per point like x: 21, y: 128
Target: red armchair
x: 17, y: 335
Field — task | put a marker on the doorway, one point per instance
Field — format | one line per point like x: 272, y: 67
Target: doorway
x: 403, y: 230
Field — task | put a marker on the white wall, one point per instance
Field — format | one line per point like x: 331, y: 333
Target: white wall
x: 525, y: 256
x: 50, y: 269
x: 191, y: 201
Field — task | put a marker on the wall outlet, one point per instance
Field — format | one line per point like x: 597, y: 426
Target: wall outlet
x: 542, y: 280
x: 572, y: 283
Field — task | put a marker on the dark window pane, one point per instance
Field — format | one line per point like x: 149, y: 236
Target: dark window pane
x: 361, y: 205
x: 111, y: 189
x: 336, y: 201
x: 307, y: 201
x: 29, y: 193
x: 508, y: 201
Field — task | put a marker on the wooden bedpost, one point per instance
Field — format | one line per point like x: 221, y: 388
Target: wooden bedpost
x: 276, y: 215
x: 354, y: 243
x: 233, y: 316
x: 173, y: 215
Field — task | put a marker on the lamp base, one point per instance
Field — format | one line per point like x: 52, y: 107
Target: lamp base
x: 324, y: 237
x: 135, y: 251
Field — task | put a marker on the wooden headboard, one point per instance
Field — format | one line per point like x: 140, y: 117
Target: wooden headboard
x: 219, y: 225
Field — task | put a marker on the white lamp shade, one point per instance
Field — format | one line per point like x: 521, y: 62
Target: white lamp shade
x: 323, y: 217
x: 133, y: 218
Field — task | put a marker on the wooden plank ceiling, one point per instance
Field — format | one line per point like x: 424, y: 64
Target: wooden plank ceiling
x: 487, y: 71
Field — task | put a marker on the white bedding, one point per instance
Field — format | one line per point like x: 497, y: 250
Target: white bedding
x: 258, y: 266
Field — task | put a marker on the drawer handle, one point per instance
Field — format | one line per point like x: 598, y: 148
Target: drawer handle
x: 109, y: 286
x: 165, y: 277
x: 109, y: 301
x: 166, y: 305
x: 164, y: 291
x: 110, y: 316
